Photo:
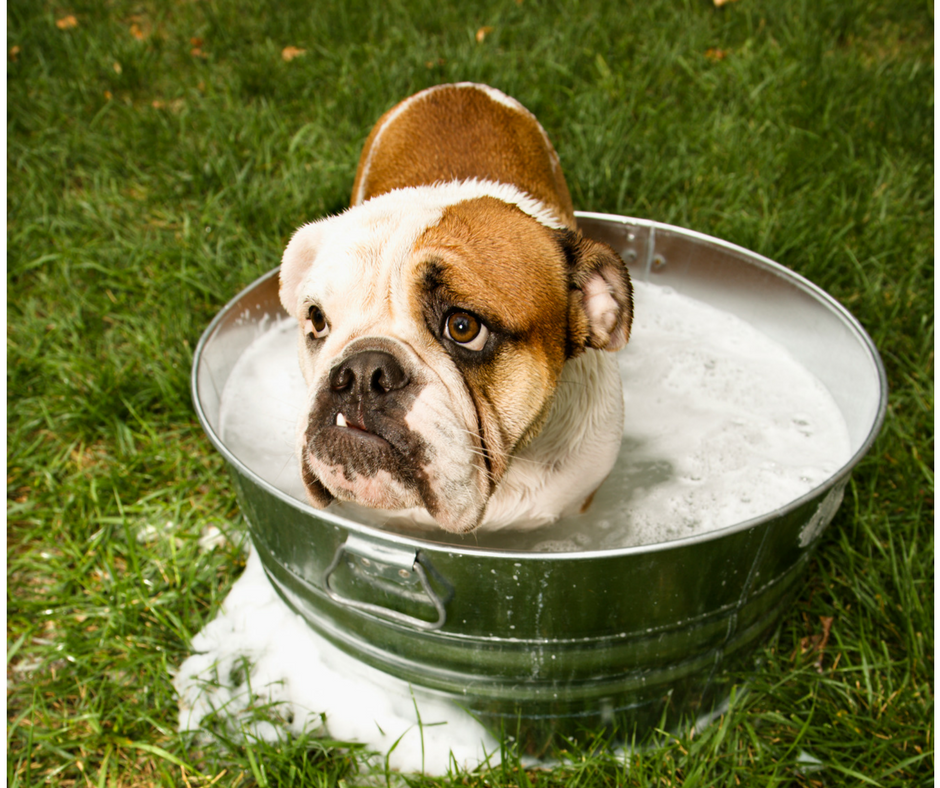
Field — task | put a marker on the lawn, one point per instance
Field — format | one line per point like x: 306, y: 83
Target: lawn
x: 159, y: 155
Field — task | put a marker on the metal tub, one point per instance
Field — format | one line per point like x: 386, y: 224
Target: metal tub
x: 545, y: 643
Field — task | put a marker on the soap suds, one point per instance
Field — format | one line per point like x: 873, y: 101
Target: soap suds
x: 722, y: 425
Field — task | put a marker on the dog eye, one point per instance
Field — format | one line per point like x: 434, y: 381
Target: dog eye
x: 316, y: 324
x: 466, y: 330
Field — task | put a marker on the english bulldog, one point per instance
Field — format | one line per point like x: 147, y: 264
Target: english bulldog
x: 455, y: 326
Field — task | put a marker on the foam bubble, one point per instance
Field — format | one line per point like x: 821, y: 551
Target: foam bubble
x: 261, y: 403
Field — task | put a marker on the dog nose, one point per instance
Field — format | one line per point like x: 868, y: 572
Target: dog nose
x: 368, y: 372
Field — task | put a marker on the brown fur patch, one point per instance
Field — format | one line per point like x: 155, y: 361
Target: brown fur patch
x: 495, y: 261
x: 506, y: 267
x: 460, y: 132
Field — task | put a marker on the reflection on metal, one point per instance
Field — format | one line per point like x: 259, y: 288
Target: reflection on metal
x: 388, y: 563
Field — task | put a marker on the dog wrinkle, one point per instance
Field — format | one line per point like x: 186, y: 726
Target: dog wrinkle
x: 457, y: 449
x: 317, y: 492
x: 492, y: 439
x: 473, y: 255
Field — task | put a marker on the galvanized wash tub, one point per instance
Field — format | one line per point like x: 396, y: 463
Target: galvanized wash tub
x: 544, y: 643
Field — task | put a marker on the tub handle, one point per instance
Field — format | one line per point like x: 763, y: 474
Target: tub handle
x: 388, y: 562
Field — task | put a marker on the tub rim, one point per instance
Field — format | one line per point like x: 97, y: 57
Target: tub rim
x: 418, y: 543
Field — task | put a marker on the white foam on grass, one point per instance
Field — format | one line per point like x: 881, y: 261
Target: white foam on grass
x: 257, y: 651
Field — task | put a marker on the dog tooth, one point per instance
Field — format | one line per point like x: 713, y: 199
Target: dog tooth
x: 340, y: 420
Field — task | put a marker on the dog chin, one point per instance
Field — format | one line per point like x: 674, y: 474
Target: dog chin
x: 381, y: 490
x: 387, y: 498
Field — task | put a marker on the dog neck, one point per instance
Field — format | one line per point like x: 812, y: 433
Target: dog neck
x: 559, y: 464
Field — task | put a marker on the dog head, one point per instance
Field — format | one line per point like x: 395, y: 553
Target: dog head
x: 433, y: 325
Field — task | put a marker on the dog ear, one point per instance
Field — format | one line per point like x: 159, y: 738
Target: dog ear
x: 600, y: 296
x: 298, y: 257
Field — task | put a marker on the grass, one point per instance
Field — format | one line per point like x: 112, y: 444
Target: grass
x: 159, y: 154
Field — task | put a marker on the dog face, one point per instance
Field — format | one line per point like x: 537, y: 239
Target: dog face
x: 433, y: 325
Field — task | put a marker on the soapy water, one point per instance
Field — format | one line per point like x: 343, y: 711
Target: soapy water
x: 722, y: 425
